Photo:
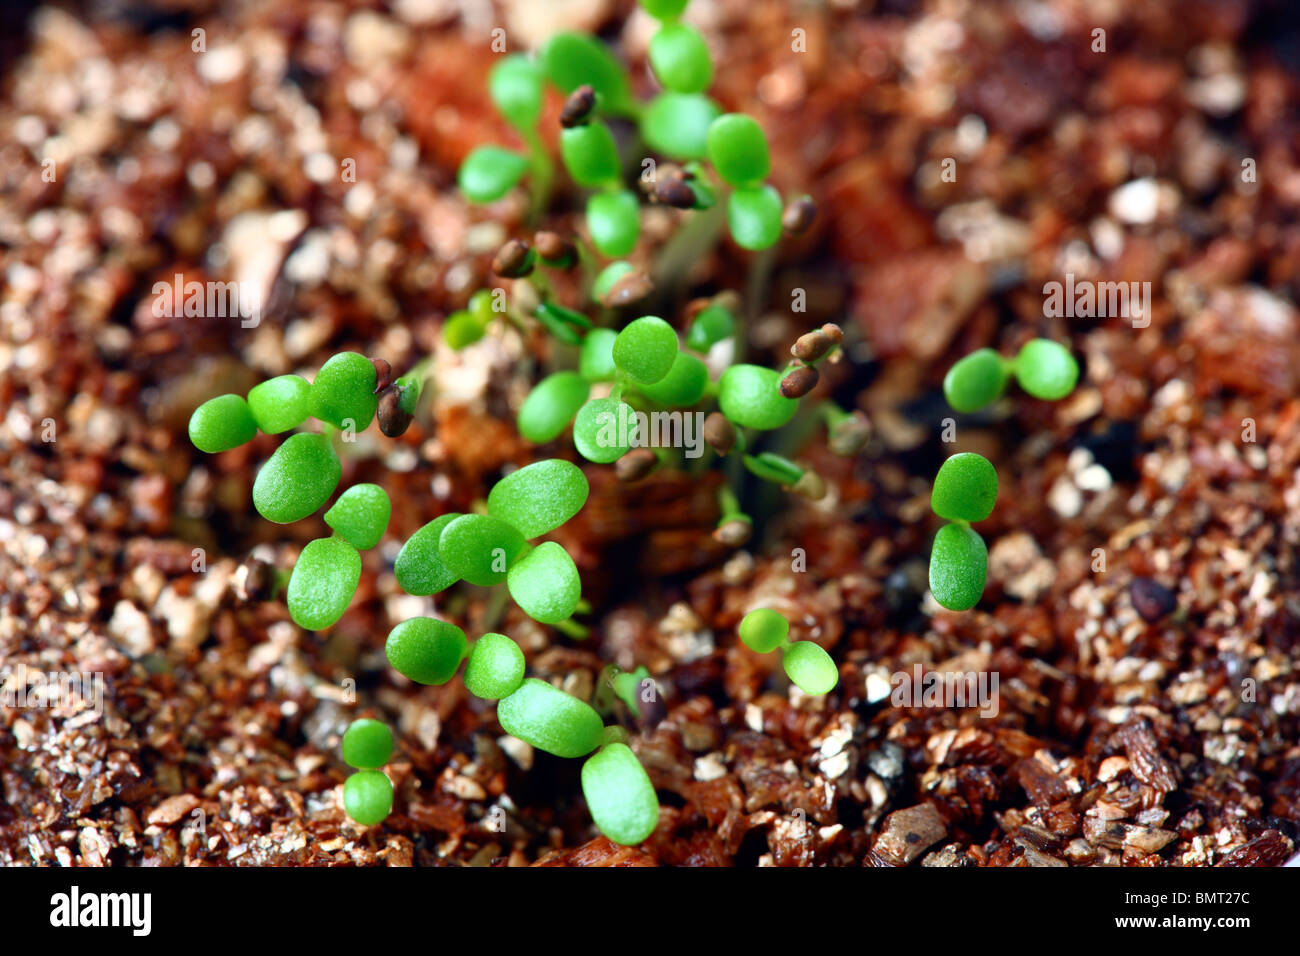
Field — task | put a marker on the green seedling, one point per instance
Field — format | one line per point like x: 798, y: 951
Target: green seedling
x: 425, y: 650
x: 645, y: 349
x: 680, y: 59
x: 551, y: 720
x: 343, y: 393
x: 965, y: 490
x: 551, y: 405
x: 619, y: 794
x: 807, y: 664
x: 1045, y: 369
x: 750, y: 396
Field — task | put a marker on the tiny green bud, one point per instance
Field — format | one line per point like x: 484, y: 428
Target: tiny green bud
x: 545, y: 583
x: 515, y: 85
x: 603, y: 429
x: 750, y: 396
x: 677, y: 124
x: 480, y: 548
x: 680, y: 59
x: 489, y: 172
x: 551, y: 405
x: 975, y: 381
x: 713, y: 324
x: 754, y: 216
x: 684, y: 384
x: 614, y: 219
x: 589, y: 154
x: 596, y: 363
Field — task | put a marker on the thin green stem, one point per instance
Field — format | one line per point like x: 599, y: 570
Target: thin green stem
x: 543, y: 174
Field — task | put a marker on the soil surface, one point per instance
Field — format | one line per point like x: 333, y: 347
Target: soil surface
x: 1143, y: 603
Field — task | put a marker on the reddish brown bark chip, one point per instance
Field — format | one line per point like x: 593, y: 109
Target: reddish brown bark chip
x: 1270, y: 848
x: 909, y: 833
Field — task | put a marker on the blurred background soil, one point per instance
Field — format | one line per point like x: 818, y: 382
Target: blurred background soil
x: 1124, y: 733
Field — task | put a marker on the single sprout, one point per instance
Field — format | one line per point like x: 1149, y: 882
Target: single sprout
x: 684, y: 385
x: 750, y: 396
x: 495, y: 668
x: 965, y: 489
x: 545, y: 583
x: 297, y: 479
x: 489, y: 172
x: 958, y: 567
x: 222, y: 423
x: 361, y: 515
x: 419, y: 568
x: 1046, y: 369
x: 764, y: 630
x: 975, y: 381
x: 323, y: 582
x: 619, y: 794
x: 563, y: 324
x: 810, y: 667
x: 680, y: 59
x: 754, y: 216
x: 738, y: 150
x: 614, y: 219
x: 550, y: 720
x: 645, y: 349
x: 734, y: 531
x: 280, y: 404
x: 367, y: 744
x: 480, y: 548
x: 425, y: 650
x: 589, y: 154
x: 539, y: 497
x: 551, y: 405
x: 368, y: 797
x: 462, y: 330
x: 596, y: 362
x: 603, y: 429
x: 343, y: 393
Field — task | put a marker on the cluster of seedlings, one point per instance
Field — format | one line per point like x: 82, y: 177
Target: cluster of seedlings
x: 966, y: 487
x: 621, y: 377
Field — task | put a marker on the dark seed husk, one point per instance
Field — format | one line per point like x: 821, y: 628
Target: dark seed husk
x: 798, y: 216
x: 555, y: 249
x: 383, y: 374
x: 810, y: 485
x: 812, y: 346
x: 636, y: 464
x: 719, y: 433
x: 833, y: 332
x: 799, y: 382
x: 513, y: 260
x: 393, y: 419
x: 577, y: 108
x: 259, y: 580
x: 1151, y: 599
x: 630, y: 289
x: 675, y: 193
